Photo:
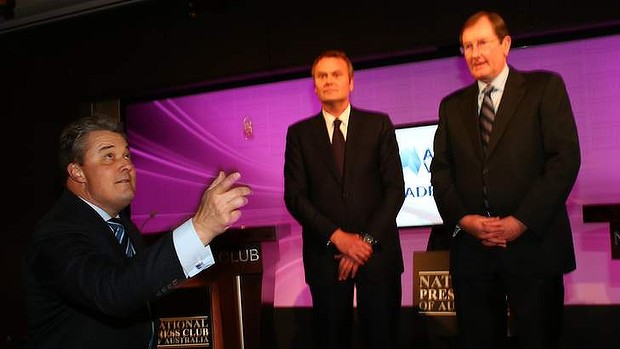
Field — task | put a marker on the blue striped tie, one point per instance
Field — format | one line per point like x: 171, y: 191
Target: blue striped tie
x: 487, y: 117
x: 119, y: 233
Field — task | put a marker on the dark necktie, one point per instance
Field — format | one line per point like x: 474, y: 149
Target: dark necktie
x: 338, y: 145
x: 122, y: 237
x: 487, y: 117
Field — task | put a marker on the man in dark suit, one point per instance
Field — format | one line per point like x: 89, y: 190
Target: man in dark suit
x: 347, y: 211
x: 83, y: 288
x: 504, y: 197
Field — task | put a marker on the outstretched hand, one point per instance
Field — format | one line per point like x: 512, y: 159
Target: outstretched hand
x: 220, y: 206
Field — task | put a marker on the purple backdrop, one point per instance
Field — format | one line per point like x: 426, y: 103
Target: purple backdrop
x: 180, y: 143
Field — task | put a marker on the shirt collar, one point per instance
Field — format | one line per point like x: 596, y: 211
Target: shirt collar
x: 97, y: 209
x: 498, y: 83
x: 344, y: 117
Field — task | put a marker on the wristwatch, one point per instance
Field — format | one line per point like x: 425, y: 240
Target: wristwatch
x: 367, y: 238
x: 456, y: 231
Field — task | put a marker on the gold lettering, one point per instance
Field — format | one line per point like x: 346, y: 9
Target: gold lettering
x: 435, y: 292
x: 425, y: 281
x: 176, y: 332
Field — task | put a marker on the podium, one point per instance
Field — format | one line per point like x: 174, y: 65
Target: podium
x: 606, y: 213
x: 433, y: 297
x: 230, y: 304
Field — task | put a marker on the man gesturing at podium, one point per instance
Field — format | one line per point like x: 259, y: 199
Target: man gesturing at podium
x: 83, y: 288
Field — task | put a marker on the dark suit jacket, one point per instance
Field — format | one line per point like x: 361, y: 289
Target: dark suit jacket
x: 532, y: 163
x: 367, y: 198
x: 81, y: 290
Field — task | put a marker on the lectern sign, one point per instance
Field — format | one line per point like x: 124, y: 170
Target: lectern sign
x: 433, y: 294
x: 185, y: 332
x: 436, y: 296
x: 185, y: 319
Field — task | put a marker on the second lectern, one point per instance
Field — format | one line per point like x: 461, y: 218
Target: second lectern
x: 229, y: 305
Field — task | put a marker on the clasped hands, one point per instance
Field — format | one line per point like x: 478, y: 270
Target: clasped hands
x: 354, y: 252
x: 493, y: 231
x: 220, y: 206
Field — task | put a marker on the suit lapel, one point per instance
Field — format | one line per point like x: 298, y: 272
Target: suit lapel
x: 96, y: 222
x: 471, y: 120
x: 513, y: 93
x: 355, y: 139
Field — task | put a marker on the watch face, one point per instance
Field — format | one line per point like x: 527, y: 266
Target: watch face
x: 369, y: 239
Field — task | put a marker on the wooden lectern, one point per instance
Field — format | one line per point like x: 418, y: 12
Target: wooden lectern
x: 234, y: 297
x: 606, y: 213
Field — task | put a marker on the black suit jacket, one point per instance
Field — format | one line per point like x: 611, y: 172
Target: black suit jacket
x: 365, y: 200
x: 532, y: 163
x: 81, y: 289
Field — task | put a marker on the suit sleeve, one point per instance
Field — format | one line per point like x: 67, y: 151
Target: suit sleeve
x: 448, y: 201
x: 296, y: 190
x: 91, y: 277
x: 393, y: 185
x: 562, y: 158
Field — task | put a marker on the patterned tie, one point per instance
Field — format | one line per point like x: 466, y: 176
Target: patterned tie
x: 119, y: 233
x: 338, y: 145
x: 487, y: 117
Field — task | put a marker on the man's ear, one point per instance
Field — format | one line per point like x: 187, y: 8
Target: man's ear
x: 75, y: 172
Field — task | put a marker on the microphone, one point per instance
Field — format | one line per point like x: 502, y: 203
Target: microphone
x: 151, y: 216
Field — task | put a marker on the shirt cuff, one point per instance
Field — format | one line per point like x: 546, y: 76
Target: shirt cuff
x: 193, y: 255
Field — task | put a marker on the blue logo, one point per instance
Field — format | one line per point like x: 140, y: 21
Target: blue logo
x: 410, y: 158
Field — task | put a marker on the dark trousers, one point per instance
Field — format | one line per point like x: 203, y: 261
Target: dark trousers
x: 535, y: 305
x: 378, y: 307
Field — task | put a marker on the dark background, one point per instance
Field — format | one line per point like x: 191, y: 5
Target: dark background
x: 53, y: 72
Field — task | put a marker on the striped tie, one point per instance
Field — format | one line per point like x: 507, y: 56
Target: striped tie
x: 119, y: 233
x: 487, y: 116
